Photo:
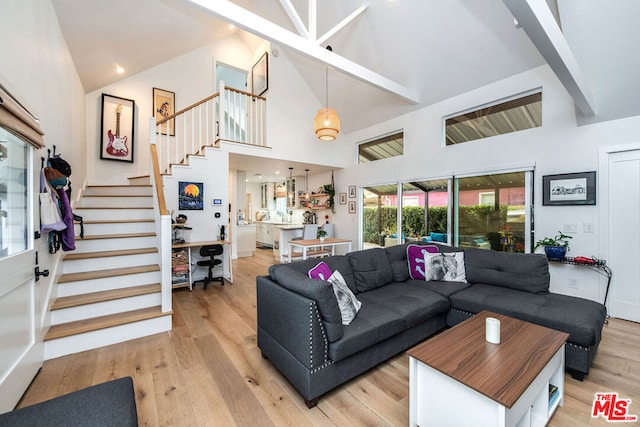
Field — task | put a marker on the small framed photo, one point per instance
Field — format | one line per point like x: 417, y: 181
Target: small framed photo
x: 164, y: 105
x: 352, y: 207
x: 343, y: 198
x: 116, y: 129
x: 260, y: 75
x: 352, y: 191
x: 569, y: 189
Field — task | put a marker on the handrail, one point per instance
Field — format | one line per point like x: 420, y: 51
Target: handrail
x: 190, y: 107
x: 162, y: 205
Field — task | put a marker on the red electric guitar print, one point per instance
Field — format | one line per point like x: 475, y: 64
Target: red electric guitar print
x: 117, y: 145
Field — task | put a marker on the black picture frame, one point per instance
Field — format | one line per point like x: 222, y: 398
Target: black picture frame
x: 164, y: 105
x: 569, y: 189
x: 260, y: 75
x: 343, y: 198
x: 116, y: 128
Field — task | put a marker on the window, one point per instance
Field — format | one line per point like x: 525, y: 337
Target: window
x: 429, y: 218
x: 504, y: 117
x: 14, y: 206
x: 380, y: 215
x: 381, y: 148
x: 490, y: 211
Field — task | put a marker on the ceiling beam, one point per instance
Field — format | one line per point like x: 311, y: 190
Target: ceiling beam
x: 536, y: 19
x: 248, y: 21
x: 295, y: 18
x: 342, y: 24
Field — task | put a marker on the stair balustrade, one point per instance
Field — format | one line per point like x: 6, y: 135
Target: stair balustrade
x: 228, y: 115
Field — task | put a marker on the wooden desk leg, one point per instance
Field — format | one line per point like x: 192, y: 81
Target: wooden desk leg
x: 230, y: 263
x: 304, y: 252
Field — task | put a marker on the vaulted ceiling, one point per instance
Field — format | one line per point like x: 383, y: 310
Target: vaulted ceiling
x: 436, y: 49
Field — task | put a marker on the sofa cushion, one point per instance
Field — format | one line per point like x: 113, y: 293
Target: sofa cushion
x: 524, y: 272
x: 320, y: 272
x: 416, y: 257
x: 318, y: 290
x: 446, y: 267
x: 443, y: 288
x: 347, y: 301
x: 397, y: 255
x: 371, y: 268
x: 336, y: 262
x: 385, y: 312
x: 582, y: 319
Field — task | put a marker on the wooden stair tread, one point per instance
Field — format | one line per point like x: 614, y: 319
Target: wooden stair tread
x: 102, y: 322
x: 114, y: 221
x: 117, y: 195
x: 112, y: 207
x: 100, y: 274
x: 121, y: 186
x: 104, y: 254
x: 115, y: 236
x: 110, y: 295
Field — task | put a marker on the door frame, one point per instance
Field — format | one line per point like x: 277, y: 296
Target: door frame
x: 603, y: 209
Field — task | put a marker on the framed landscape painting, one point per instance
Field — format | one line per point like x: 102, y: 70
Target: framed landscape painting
x: 569, y: 189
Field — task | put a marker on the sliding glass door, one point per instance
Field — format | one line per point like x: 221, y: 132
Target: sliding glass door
x: 492, y: 211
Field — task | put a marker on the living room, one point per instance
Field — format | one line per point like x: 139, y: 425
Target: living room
x: 47, y: 78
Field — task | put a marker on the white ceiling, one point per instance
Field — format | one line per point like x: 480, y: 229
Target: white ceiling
x: 436, y: 48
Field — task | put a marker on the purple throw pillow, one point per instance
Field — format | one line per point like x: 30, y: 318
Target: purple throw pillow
x: 320, y: 271
x: 415, y: 258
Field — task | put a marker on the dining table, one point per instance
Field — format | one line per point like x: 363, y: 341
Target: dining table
x: 317, y: 247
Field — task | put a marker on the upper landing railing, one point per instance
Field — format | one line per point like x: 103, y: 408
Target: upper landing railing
x: 228, y: 115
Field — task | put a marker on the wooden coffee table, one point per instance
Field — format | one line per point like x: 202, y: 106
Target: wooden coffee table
x: 457, y: 378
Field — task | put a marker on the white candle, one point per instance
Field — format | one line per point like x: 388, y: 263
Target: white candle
x: 493, y: 330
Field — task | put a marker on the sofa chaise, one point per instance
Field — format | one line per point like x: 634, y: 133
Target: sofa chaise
x: 300, y: 326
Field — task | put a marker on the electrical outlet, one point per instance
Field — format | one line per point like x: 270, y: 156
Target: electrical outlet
x: 587, y: 227
x: 571, y: 228
x: 573, y: 283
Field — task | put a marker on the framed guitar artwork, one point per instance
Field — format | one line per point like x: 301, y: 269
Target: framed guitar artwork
x: 116, y: 132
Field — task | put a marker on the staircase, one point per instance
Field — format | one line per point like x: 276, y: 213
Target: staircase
x: 109, y: 290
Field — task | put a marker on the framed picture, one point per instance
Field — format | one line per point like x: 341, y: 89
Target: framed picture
x: 164, y: 105
x: 352, y: 191
x: 116, y: 131
x: 343, y: 198
x: 190, y: 196
x: 569, y: 189
x: 260, y: 75
x: 352, y: 207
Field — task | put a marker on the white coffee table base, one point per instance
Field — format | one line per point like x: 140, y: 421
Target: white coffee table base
x: 438, y: 400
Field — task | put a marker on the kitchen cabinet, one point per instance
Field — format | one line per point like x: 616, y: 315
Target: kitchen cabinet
x: 246, y: 240
x: 264, y: 234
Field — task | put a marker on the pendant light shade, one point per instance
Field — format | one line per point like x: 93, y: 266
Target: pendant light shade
x: 327, y: 122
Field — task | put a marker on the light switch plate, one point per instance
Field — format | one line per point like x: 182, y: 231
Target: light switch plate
x: 571, y: 228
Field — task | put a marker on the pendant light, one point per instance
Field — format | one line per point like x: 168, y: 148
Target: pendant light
x: 290, y: 189
x: 306, y: 185
x: 327, y: 122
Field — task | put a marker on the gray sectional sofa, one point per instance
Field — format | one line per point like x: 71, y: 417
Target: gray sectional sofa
x: 300, y: 329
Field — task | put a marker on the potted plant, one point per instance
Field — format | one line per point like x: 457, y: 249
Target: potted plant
x: 381, y: 237
x: 555, y: 247
x: 321, y: 235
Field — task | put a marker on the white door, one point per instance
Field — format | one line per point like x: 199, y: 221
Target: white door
x: 624, y: 234
x: 20, y: 345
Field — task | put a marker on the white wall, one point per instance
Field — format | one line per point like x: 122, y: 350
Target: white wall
x: 558, y: 146
x: 37, y: 67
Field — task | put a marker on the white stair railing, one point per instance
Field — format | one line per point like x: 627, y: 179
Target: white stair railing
x: 228, y: 115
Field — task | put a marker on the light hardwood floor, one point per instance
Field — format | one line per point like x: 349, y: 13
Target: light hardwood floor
x: 208, y: 371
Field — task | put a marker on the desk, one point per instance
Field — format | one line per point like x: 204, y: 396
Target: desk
x: 331, y: 242
x: 188, y: 245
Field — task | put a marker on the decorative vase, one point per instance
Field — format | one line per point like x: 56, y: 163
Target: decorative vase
x: 322, y: 238
x: 555, y: 252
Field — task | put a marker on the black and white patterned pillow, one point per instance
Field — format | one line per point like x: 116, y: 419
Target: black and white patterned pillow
x: 445, y: 267
x: 347, y: 301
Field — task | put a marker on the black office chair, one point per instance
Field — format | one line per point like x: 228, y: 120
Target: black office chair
x: 210, y: 251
